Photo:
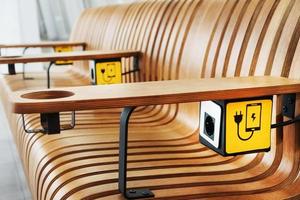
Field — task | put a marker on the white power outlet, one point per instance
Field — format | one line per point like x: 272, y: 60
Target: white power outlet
x: 92, y: 71
x: 210, y: 122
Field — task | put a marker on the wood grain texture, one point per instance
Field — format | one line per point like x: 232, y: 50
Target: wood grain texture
x: 65, y: 56
x: 149, y: 93
x: 44, y: 44
x: 179, y: 39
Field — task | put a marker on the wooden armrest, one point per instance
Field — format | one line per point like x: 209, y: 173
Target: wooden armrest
x: 66, y: 56
x: 44, y: 44
x: 149, y: 93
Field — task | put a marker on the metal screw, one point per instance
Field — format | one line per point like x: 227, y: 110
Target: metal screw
x: 132, y: 191
x: 145, y: 193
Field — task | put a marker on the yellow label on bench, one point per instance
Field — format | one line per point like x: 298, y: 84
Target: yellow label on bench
x: 60, y: 50
x: 108, y: 73
x: 248, y: 126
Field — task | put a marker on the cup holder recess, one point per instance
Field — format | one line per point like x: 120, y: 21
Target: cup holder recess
x: 55, y: 94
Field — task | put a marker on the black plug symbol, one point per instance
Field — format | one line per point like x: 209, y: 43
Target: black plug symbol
x: 238, y: 118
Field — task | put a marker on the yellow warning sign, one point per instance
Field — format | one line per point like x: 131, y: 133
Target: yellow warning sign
x: 248, y: 126
x: 60, y: 50
x: 108, y: 73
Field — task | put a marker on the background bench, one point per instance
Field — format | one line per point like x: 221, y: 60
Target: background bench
x: 179, y: 40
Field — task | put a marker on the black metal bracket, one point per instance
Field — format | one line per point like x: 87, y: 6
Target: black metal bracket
x: 50, y: 123
x: 48, y: 74
x: 127, y: 193
x: 288, y: 110
x: 289, y: 105
x: 11, y: 69
x: 136, y: 63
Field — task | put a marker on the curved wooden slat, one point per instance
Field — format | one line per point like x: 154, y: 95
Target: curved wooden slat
x: 181, y: 39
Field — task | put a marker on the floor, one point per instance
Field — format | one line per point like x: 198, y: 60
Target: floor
x: 13, y: 184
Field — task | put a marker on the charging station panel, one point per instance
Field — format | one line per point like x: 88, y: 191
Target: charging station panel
x: 234, y: 127
x: 248, y: 126
x: 60, y: 50
x: 106, y: 71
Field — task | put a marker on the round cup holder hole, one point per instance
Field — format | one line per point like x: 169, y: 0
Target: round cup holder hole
x: 48, y: 95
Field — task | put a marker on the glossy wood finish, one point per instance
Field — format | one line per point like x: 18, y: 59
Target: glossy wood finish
x: 157, y: 93
x: 44, y: 44
x: 65, y: 56
x: 179, y: 39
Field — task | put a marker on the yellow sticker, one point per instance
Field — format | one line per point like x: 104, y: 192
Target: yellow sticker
x: 108, y: 73
x: 60, y: 50
x: 248, y: 126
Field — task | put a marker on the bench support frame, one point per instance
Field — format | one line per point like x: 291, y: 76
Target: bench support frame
x: 127, y: 193
x: 50, y: 123
x: 11, y: 69
x: 48, y: 74
x: 289, y: 105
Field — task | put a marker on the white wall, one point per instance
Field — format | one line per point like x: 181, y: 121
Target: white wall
x: 28, y: 20
x: 9, y: 16
x: 19, y: 23
x: 59, y: 17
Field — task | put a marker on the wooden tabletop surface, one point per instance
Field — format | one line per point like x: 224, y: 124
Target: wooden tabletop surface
x: 149, y: 93
x: 66, y: 56
x: 43, y: 44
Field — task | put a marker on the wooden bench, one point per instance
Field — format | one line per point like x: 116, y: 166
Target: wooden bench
x: 179, y: 40
x: 70, y: 56
x: 55, y: 45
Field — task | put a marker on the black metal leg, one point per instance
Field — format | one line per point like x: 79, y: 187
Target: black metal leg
x: 131, y: 193
x: 11, y: 69
x: 48, y: 74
